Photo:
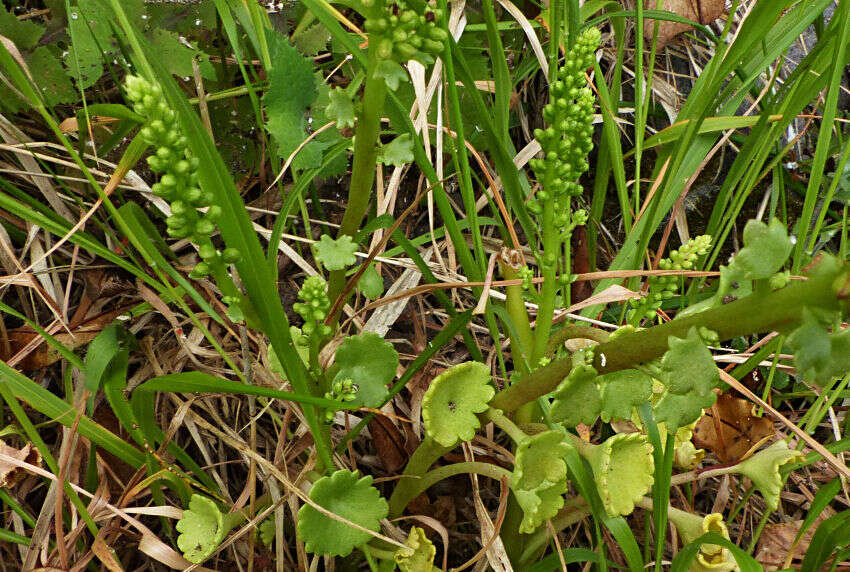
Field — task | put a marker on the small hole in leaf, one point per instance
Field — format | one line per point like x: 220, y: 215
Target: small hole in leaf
x: 452, y: 406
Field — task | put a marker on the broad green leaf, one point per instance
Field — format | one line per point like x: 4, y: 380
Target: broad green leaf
x: 763, y: 469
x: 818, y: 354
x: 292, y: 89
x: 688, y: 366
x: 341, y: 108
x: 202, y: 528
x: 336, y: 254
x: 540, y: 458
x: 680, y: 410
x: 392, y: 73
x: 347, y: 496
x: 419, y: 556
x: 370, y: 362
x: 178, y: 56
x: 91, y: 36
x: 622, y: 391
x: 371, y: 284
x: 540, y: 504
x: 302, y: 346
x: 397, y: 152
x: 577, y: 398
x: 766, y: 248
x: 23, y: 33
x: 452, y: 400
x: 623, y: 469
x: 50, y: 77
x: 311, y: 40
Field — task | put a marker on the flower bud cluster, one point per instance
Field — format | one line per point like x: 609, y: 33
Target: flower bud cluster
x: 314, y: 306
x: 403, y: 33
x: 178, y: 169
x: 566, y: 140
x: 344, y: 390
x: 664, y: 287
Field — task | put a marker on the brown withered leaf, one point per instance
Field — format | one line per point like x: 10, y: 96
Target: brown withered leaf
x: 777, y: 539
x: 388, y: 442
x: 11, y: 474
x: 702, y: 11
x: 729, y: 429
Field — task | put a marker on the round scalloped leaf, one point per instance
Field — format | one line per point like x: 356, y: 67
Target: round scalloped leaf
x: 763, y: 469
x: 623, y: 470
x: 766, y: 248
x: 680, y: 410
x: 202, y: 528
x: 267, y: 531
x: 336, y: 254
x: 347, y: 496
x: 419, y: 555
x: 622, y: 391
x: 688, y: 366
x: 370, y: 362
x: 577, y: 398
x: 451, y: 402
x: 540, y: 504
x: 540, y: 458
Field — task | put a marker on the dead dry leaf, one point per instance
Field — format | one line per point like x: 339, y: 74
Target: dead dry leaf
x: 777, y: 539
x: 11, y: 474
x: 702, y: 11
x: 730, y: 429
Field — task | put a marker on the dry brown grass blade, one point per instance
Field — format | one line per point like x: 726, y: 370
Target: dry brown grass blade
x: 831, y: 459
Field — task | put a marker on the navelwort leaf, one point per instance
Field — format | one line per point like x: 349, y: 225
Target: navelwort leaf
x: 371, y: 284
x: 818, y: 354
x: 766, y: 248
x: 336, y: 254
x: 202, y: 528
x: 397, y: 152
x: 340, y: 108
x: 577, y: 398
x: 622, y: 391
x: 623, y: 470
x: 391, y: 72
x: 452, y: 400
x: 763, y: 469
x: 419, y: 556
x: 345, y: 495
x: 370, y: 362
x: 540, y: 504
x: 540, y: 458
x: 687, y: 367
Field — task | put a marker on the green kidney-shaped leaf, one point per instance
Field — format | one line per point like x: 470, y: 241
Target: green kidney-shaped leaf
x: 370, y: 362
x: 336, y: 254
x: 622, y: 391
x: 818, y: 354
x: 202, y: 528
x: 763, y: 469
x: 451, y: 402
x: 680, y: 410
x: 687, y: 366
x: 419, y: 554
x: 540, y: 504
x: 766, y: 248
x: 623, y: 469
x: 577, y: 398
x: 540, y: 458
x: 347, y: 496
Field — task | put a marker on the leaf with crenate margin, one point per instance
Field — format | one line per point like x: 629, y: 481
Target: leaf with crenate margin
x: 540, y: 458
x: 688, y: 366
x: 622, y: 391
x: 452, y: 400
x: 347, y: 496
x: 577, y: 398
x: 336, y: 254
x: 766, y: 248
x: 370, y: 362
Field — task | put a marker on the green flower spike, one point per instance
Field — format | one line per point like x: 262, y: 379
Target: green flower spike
x: 350, y: 497
x: 314, y: 306
x: 540, y: 504
x: 202, y: 528
x: 419, y: 554
x: 540, y: 458
x: 763, y: 469
x: 451, y: 402
x: 710, y: 556
x: 577, y: 398
x: 622, y: 468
